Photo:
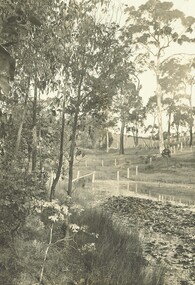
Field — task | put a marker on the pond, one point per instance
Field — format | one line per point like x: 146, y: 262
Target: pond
x: 100, y: 190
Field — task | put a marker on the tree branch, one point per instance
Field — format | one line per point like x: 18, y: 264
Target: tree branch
x: 177, y: 54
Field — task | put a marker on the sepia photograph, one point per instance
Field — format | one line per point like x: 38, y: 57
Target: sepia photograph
x: 97, y: 142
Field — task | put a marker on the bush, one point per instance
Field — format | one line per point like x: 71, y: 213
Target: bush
x: 17, y: 190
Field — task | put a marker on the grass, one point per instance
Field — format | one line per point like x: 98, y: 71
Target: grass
x: 179, y: 169
x: 116, y: 258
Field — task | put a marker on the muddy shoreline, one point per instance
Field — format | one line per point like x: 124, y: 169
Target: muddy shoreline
x: 167, y: 233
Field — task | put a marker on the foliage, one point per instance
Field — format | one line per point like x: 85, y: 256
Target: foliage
x: 62, y: 48
x: 177, y: 82
x: 154, y: 27
x: 17, y: 190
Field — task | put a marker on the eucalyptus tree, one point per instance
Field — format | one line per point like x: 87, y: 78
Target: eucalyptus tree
x: 180, y: 118
x: 25, y: 27
x: 21, y: 23
x: 172, y: 89
x: 177, y: 82
x: 154, y: 27
x: 152, y: 110
x: 89, y: 53
x: 21, y: 40
x: 127, y: 106
x: 16, y: 18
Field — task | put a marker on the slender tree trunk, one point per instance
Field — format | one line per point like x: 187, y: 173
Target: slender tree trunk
x: 28, y: 166
x: 134, y: 137
x: 177, y: 127
x: 159, y: 104
x: 39, y: 137
x: 122, y: 149
x: 71, y: 153
x: 169, y: 129
x: 191, y: 136
x: 40, y: 150
x: 73, y: 138
x: 18, y: 140
x: 191, y: 115
x: 107, y: 141
x: 61, y: 154
x: 34, y: 129
x: 152, y: 131
x: 46, y: 254
x: 137, y: 136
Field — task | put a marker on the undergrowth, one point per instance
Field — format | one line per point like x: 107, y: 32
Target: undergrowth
x: 106, y: 255
x: 98, y: 253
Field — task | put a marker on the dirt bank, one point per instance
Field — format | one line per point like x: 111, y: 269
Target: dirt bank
x: 167, y: 233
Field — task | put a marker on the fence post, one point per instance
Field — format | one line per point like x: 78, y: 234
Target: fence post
x: 128, y: 173
x: 136, y: 188
x: 118, y: 176
x: 115, y: 162
x: 93, y: 177
x: 102, y: 163
x: 78, y: 174
x: 136, y: 170
x: 150, y: 160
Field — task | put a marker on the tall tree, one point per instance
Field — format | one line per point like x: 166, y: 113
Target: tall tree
x: 89, y: 57
x: 127, y: 105
x: 19, y: 26
x: 155, y: 26
x: 177, y: 82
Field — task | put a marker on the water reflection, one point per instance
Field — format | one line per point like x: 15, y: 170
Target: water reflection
x: 174, y: 195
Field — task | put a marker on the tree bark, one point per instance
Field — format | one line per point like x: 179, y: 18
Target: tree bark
x: 169, y: 128
x: 191, y: 136
x: 34, y: 129
x: 191, y: 115
x: 61, y: 155
x: 137, y: 136
x: 71, y: 153
x: 73, y: 138
x: 107, y: 141
x: 18, y: 140
x: 159, y: 105
x: 122, y: 149
x: 177, y: 127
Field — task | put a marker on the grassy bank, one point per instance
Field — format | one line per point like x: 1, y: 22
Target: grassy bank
x: 173, y: 176
x: 107, y: 255
x: 177, y: 169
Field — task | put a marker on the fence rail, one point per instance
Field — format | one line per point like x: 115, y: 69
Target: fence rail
x: 83, y: 176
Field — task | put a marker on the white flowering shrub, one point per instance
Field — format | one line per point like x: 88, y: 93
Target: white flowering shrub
x: 50, y: 212
x: 88, y: 247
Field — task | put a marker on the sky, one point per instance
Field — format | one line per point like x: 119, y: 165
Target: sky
x: 148, y: 79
